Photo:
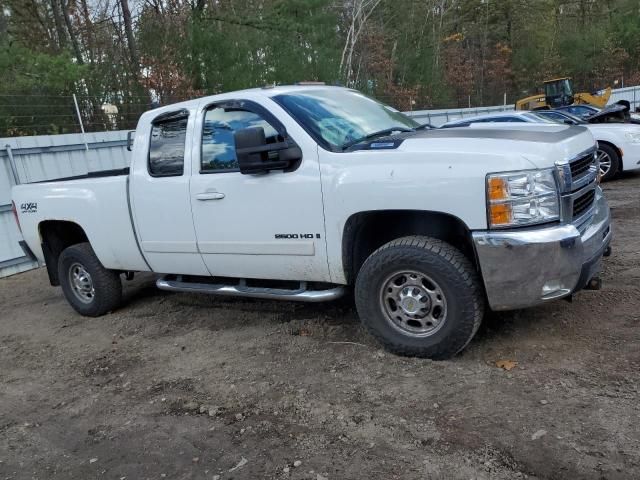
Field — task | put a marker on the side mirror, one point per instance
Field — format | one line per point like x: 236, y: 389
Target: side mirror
x: 130, y: 134
x: 255, y: 155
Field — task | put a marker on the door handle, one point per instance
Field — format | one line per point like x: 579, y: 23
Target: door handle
x: 210, y: 196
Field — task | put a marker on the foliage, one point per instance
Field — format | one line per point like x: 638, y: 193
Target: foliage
x: 129, y: 54
x: 49, y: 81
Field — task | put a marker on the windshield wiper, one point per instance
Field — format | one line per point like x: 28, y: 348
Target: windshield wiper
x: 379, y: 133
x: 424, y: 126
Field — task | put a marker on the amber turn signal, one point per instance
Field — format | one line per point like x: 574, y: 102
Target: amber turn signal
x: 498, y: 189
x: 500, y: 214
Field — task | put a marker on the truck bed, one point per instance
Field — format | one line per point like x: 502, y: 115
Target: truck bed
x: 98, y: 203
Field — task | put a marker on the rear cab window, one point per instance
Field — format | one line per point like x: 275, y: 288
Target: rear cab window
x: 167, y: 145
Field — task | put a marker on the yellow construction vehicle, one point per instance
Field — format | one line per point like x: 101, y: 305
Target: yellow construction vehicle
x: 559, y: 93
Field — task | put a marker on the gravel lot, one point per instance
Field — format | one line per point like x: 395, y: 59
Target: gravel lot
x: 183, y: 386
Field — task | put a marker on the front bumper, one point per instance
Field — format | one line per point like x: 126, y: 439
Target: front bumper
x: 523, y: 268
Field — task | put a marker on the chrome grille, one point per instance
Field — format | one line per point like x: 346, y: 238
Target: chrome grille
x: 578, y: 172
x: 583, y: 203
x: 578, y: 180
x: 580, y: 167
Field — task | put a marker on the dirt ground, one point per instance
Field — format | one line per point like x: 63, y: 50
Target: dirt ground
x: 182, y: 386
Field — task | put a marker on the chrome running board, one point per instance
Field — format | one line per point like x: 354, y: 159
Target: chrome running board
x: 174, y: 283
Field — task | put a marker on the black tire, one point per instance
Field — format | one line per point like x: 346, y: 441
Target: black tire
x: 612, y: 153
x: 103, y: 289
x: 453, y: 275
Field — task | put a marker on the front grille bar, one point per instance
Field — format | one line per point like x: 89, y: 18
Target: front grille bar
x: 583, y: 203
x: 578, y: 179
x: 577, y: 172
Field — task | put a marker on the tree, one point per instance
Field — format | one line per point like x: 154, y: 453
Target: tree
x: 357, y: 14
x: 49, y: 81
x: 131, y: 40
x: 409, y: 53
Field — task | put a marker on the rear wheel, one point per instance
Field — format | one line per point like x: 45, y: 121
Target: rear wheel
x: 609, y: 161
x: 420, y: 297
x: 91, y: 289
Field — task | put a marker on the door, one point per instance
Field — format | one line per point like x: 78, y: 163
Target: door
x: 268, y: 226
x: 161, y: 204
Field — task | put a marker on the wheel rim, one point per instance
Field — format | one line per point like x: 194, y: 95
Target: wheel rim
x: 81, y: 283
x: 413, y: 303
x: 604, y: 161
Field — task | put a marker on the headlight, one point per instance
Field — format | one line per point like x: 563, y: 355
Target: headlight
x: 518, y: 199
x: 632, y: 137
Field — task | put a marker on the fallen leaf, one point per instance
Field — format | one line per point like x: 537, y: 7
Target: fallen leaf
x: 243, y: 461
x: 506, y: 364
x: 538, y: 434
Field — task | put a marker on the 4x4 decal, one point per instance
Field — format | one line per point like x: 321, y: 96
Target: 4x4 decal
x: 29, y: 207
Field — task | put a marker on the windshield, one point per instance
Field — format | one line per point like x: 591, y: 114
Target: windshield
x: 555, y: 117
x: 336, y: 118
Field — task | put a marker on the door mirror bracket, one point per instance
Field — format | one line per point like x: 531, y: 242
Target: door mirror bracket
x: 255, y: 155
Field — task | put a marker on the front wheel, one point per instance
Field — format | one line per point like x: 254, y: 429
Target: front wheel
x: 91, y: 289
x: 420, y: 297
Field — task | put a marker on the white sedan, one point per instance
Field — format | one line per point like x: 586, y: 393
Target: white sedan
x: 618, y: 143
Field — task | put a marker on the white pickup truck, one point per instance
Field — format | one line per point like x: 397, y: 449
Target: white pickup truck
x: 298, y: 192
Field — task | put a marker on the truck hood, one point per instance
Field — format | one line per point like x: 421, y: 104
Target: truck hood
x: 541, y: 145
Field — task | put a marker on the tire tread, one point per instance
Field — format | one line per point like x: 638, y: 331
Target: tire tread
x: 106, y: 282
x: 472, y: 296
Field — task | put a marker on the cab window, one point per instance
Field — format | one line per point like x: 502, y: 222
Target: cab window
x: 166, y: 147
x: 218, y: 146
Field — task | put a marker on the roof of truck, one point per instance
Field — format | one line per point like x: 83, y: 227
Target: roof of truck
x: 266, y: 91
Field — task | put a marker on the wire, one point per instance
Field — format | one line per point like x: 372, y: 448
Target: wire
x: 46, y: 115
x: 63, y: 105
x: 66, y: 96
x: 50, y: 125
x: 39, y: 116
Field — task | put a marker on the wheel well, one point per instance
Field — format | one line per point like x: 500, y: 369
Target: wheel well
x: 365, y: 232
x: 618, y: 151
x: 57, y: 235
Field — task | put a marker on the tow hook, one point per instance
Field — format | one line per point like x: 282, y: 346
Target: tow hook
x: 129, y: 275
x: 594, y: 284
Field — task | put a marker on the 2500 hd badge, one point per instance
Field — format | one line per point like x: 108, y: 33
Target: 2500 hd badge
x: 295, y: 236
